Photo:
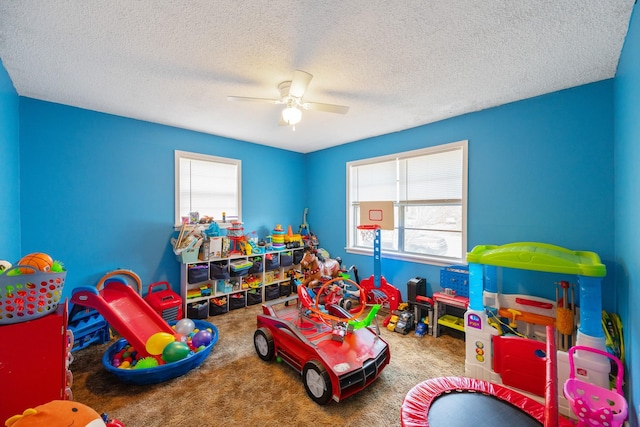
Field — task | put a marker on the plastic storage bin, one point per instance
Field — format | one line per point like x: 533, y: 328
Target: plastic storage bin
x: 29, y: 296
x: 224, y: 287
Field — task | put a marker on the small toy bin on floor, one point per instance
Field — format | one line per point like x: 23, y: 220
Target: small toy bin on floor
x: 594, y: 405
x: 29, y: 295
x: 164, y: 301
x: 160, y: 373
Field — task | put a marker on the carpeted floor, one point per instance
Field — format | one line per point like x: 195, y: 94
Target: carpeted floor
x: 235, y: 387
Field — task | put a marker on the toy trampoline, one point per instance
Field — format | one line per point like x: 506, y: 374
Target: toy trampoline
x: 461, y: 401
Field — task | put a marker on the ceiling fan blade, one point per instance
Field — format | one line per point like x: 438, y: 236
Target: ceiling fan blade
x: 245, y: 98
x: 329, y: 108
x: 299, y: 83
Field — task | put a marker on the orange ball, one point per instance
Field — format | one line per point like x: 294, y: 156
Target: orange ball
x: 38, y: 260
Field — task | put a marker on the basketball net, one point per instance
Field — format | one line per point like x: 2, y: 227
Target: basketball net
x: 368, y: 232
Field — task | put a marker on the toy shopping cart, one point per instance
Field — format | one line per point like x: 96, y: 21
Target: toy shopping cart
x: 594, y: 405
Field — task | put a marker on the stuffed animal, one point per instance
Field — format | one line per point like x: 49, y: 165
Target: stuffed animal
x: 57, y: 413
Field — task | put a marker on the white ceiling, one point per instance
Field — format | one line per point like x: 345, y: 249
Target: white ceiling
x: 397, y: 64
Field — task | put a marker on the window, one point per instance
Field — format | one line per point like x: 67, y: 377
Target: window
x: 428, y: 188
x: 208, y: 185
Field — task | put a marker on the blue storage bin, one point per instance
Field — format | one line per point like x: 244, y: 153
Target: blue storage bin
x: 254, y: 297
x: 237, y: 301
x: 219, y: 270
x: 197, y: 273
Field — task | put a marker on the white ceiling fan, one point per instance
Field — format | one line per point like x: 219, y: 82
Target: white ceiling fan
x: 291, y: 94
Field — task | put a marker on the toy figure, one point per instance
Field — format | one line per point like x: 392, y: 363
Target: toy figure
x: 316, y: 269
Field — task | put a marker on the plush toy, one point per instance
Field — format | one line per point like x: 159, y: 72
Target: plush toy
x: 56, y: 413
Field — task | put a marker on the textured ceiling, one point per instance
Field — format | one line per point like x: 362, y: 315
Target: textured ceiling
x: 397, y: 64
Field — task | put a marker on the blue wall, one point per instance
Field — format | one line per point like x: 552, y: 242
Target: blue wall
x: 539, y: 170
x: 98, y: 190
x: 9, y: 169
x: 627, y: 203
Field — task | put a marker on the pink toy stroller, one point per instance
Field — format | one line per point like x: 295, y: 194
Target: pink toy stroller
x: 594, y: 405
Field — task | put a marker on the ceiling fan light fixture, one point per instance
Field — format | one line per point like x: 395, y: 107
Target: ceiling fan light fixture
x: 291, y: 115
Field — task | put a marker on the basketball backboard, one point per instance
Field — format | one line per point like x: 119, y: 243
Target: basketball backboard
x: 377, y: 213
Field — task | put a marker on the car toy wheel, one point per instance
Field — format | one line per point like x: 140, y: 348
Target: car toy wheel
x: 317, y: 382
x: 346, y: 304
x: 263, y: 342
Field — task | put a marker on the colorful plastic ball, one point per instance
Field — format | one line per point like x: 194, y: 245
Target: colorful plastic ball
x: 38, y: 260
x: 175, y: 351
x: 157, y: 342
x: 57, y: 267
x: 146, y: 362
x: 202, y: 338
x: 185, y: 326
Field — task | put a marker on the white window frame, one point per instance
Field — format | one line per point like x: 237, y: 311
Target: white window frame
x: 354, y: 243
x: 216, y: 160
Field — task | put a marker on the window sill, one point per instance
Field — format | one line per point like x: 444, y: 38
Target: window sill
x: 222, y: 225
x: 424, y: 259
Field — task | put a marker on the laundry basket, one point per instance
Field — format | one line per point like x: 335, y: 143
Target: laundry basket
x: 28, y: 296
x: 594, y: 405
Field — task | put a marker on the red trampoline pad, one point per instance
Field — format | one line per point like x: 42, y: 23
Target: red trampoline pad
x: 489, y: 404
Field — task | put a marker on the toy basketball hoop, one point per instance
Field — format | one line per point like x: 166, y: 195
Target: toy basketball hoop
x: 368, y: 232
x: 594, y: 405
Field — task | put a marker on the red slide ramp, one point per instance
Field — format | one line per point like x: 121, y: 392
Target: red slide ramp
x: 125, y: 311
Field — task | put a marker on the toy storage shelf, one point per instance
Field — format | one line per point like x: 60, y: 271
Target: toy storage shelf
x: 218, y: 285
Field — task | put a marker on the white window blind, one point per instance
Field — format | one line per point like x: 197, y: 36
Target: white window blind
x: 429, y: 191
x: 208, y: 185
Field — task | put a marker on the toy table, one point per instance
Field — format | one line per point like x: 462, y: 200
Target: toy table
x: 440, y: 302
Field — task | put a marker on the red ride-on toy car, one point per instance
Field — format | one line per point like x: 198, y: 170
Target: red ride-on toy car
x: 336, y: 354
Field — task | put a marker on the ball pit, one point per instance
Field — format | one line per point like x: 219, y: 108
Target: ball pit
x: 161, y: 373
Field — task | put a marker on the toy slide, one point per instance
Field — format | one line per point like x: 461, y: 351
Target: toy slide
x: 125, y: 311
